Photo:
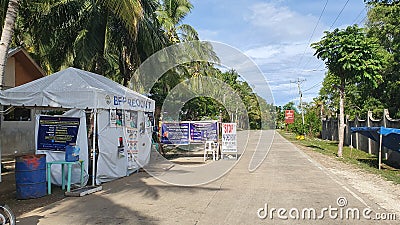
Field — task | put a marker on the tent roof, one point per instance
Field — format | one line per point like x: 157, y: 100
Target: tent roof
x: 75, y: 88
x: 390, y: 136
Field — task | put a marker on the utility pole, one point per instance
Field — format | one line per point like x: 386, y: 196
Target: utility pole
x: 299, y: 82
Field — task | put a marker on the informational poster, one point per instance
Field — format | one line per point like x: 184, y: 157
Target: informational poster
x: 203, y: 131
x: 116, y: 118
x: 176, y: 133
x: 132, y: 139
x: 56, y: 132
x: 132, y: 150
x: 131, y: 119
x: 149, y: 118
x: 229, y: 138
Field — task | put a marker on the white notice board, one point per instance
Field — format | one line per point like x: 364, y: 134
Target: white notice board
x: 229, y: 139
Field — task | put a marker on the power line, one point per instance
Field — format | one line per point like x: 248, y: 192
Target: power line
x: 362, y: 20
x: 337, y: 17
x: 340, y: 13
x: 358, y: 16
x: 313, y: 32
x: 314, y: 86
x: 334, y: 22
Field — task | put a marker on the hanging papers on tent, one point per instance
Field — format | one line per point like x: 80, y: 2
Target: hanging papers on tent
x: 116, y: 118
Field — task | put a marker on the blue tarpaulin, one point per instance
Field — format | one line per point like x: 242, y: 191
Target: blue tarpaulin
x: 390, y: 136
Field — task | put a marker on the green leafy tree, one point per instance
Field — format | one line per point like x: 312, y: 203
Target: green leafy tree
x: 312, y: 119
x: 351, y: 58
x: 384, y: 24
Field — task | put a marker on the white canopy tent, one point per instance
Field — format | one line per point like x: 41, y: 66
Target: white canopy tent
x: 77, y: 89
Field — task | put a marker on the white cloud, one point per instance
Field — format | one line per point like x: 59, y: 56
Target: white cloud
x: 280, y: 65
x: 274, y: 53
x: 206, y: 34
x: 280, y: 22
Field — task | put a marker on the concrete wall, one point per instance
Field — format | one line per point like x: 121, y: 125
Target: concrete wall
x: 18, y: 136
x: 330, y: 132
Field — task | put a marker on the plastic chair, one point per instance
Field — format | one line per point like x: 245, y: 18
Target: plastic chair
x: 210, y: 147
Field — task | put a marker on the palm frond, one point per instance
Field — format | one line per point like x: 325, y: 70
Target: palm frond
x: 129, y: 11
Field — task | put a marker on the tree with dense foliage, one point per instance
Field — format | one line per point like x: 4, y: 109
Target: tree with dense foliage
x: 352, y: 58
x: 98, y: 36
x: 170, y: 14
x: 113, y: 37
x: 384, y: 24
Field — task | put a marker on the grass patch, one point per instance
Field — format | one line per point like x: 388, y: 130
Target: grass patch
x: 361, y: 159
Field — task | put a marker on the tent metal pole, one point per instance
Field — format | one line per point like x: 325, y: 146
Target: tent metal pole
x: 94, y: 146
x: 380, y: 152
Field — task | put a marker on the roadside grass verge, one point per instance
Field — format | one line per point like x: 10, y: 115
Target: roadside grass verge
x: 361, y: 159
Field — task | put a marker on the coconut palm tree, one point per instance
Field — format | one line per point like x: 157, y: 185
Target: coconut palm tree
x: 170, y: 14
x: 6, y: 36
x: 79, y: 31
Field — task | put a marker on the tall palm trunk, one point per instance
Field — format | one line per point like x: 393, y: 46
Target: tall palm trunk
x: 342, y: 125
x: 6, y: 36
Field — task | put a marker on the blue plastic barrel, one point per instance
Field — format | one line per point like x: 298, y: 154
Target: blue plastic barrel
x: 30, y: 176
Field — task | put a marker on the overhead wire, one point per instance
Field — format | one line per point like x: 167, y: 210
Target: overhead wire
x: 358, y: 16
x: 330, y: 28
x: 310, y: 39
x: 314, y: 86
x: 313, y: 32
x: 363, y: 19
x: 336, y: 19
x: 340, y: 13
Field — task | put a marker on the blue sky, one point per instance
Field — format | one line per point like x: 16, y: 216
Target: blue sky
x: 276, y: 34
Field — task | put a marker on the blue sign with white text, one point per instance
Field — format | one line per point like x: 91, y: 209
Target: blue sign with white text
x: 175, y: 133
x: 56, y: 132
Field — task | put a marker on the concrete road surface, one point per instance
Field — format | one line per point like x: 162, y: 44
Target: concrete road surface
x: 287, y: 187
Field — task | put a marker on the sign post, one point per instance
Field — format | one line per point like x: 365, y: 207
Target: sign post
x: 229, y: 139
x: 289, y: 117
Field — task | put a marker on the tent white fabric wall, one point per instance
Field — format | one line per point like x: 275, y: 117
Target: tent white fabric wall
x: 78, y: 89
x: 82, y: 142
x: 114, y: 166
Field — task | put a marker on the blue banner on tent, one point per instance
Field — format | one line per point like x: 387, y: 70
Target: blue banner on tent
x: 56, y: 132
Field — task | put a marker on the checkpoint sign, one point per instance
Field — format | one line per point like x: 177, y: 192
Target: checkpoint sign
x: 289, y: 116
x: 229, y: 138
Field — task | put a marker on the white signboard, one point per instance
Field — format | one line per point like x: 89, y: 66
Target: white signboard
x: 229, y: 139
